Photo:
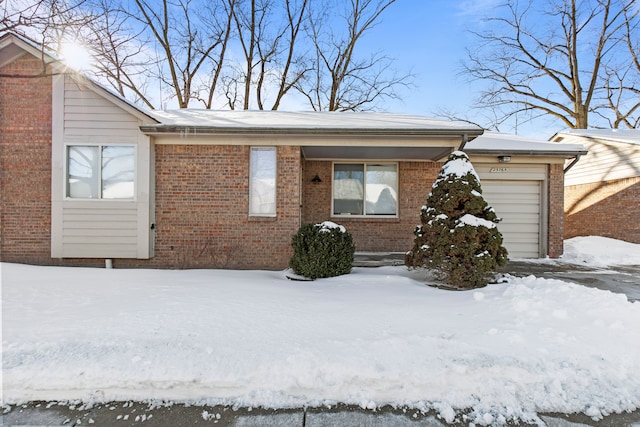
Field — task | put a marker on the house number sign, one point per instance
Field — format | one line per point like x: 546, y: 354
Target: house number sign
x: 498, y: 170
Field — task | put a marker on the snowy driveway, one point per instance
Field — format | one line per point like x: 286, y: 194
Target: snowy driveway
x: 619, y: 279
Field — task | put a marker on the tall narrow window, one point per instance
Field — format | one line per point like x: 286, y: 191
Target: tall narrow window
x: 100, y: 172
x: 262, y: 182
x: 365, y: 189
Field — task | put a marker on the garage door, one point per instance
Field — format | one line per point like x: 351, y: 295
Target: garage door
x: 518, y: 204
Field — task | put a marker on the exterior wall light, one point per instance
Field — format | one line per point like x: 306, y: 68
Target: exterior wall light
x: 504, y: 159
x: 316, y: 178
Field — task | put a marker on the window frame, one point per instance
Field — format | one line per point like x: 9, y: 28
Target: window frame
x: 364, y: 214
x: 252, y: 213
x: 100, y: 147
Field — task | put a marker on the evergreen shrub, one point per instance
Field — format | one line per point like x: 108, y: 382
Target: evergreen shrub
x: 322, y: 250
x: 458, y: 237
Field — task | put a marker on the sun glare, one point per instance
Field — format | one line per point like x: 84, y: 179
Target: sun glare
x: 76, y: 56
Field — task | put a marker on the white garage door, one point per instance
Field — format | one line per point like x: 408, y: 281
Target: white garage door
x: 518, y: 203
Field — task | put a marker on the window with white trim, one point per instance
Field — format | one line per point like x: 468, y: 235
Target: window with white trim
x: 100, y: 172
x: 262, y: 181
x: 365, y: 189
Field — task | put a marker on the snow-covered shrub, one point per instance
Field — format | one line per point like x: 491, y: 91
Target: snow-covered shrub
x: 322, y: 250
x: 458, y: 237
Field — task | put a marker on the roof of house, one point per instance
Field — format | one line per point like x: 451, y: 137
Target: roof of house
x: 628, y: 136
x: 495, y: 143
x: 209, y: 121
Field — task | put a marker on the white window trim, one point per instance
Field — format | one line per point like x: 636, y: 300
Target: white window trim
x: 364, y: 163
x: 273, y: 214
x: 65, y: 165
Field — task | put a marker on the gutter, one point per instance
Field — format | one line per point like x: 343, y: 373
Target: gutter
x: 465, y: 139
x: 265, y: 130
x: 532, y: 153
x: 573, y: 162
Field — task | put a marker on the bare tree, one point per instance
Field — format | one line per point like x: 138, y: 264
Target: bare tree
x: 48, y: 23
x: 342, y: 80
x: 269, y: 35
x: 119, y: 48
x: 622, y: 81
x: 188, y: 42
x: 19, y: 16
x: 548, y: 62
x: 250, y: 52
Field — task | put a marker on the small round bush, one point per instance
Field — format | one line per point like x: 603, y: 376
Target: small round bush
x: 322, y: 250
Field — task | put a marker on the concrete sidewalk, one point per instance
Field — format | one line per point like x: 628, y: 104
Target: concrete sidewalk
x: 143, y: 414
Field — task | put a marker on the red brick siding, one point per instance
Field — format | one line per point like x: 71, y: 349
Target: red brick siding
x: 608, y: 209
x: 202, y: 197
x: 556, y: 209
x: 202, y: 209
x: 372, y: 235
x: 415, y: 181
x: 25, y: 163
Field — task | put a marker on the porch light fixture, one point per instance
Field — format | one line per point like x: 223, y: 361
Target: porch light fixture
x: 504, y: 159
x: 316, y: 179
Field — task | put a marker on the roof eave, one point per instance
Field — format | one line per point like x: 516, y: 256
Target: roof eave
x: 262, y: 130
x: 531, y: 153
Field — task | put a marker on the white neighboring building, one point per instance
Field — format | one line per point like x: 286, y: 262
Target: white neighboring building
x: 602, y: 191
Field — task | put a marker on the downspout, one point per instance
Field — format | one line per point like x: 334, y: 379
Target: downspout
x: 570, y: 165
x: 465, y: 139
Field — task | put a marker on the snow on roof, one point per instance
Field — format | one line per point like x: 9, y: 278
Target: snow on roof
x: 246, y: 119
x: 495, y: 142
x: 629, y: 136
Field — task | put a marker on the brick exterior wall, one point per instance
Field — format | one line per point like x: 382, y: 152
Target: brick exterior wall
x: 25, y: 163
x: 202, y: 209
x: 202, y: 194
x: 608, y: 209
x: 415, y: 181
x: 376, y: 234
x: 556, y: 209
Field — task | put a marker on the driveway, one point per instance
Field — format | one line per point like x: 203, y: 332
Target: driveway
x: 618, y: 279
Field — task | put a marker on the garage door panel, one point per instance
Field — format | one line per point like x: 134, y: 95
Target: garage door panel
x: 519, y: 228
x: 518, y: 203
x: 516, y: 249
x: 520, y: 218
x: 520, y: 208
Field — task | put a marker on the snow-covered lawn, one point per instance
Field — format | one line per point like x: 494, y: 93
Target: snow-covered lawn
x: 373, y: 337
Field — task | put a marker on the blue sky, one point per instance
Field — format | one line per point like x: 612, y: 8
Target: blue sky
x: 430, y: 38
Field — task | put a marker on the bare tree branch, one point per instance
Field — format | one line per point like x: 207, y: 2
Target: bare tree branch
x: 342, y: 80
x: 555, y: 68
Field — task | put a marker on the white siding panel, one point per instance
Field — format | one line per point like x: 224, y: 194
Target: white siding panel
x: 100, y: 228
x: 98, y: 251
x: 518, y: 203
x: 605, y: 162
x: 92, y: 118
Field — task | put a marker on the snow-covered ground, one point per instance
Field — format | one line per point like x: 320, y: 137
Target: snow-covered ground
x: 374, y: 337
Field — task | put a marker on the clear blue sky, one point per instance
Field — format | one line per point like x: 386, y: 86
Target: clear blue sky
x: 430, y: 38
